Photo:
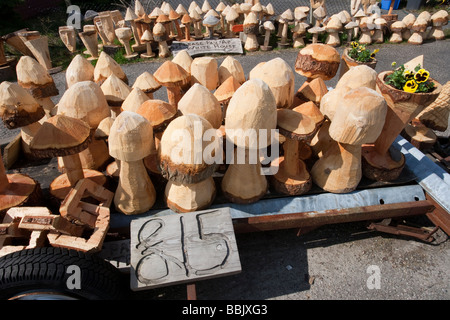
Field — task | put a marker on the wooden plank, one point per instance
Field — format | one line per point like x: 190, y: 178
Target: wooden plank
x: 12, y: 151
x: 182, y: 248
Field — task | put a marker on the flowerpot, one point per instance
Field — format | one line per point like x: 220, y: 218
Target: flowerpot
x: 347, y: 63
x: 380, y: 162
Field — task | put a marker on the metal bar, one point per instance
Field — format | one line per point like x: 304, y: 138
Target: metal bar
x: 191, y: 292
x: 319, y: 218
x: 403, y: 230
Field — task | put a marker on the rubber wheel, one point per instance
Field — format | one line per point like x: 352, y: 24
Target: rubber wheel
x: 44, y: 273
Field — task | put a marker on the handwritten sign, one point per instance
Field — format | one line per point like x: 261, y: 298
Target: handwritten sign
x: 181, y: 248
x: 202, y: 47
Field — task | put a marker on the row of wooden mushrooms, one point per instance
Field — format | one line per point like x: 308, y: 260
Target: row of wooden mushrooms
x: 328, y: 138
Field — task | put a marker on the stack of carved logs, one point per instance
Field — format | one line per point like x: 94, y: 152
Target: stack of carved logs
x: 105, y: 128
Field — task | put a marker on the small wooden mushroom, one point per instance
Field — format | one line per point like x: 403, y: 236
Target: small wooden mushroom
x: 251, y: 26
x: 79, y: 69
x: 333, y: 27
x: 19, y: 109
x: 147, y: 38
x: 380, y: 26
x: 366, y: 26
x: 315, y: 31
x: 35, y: 78
x: 299, y: 35
x: 286, y: 18
x: 292, y: 177
x: 438, y: 19
x: 231, y: 18
x: 196, y: 18
x: 184, y: 60
x: 174, y: 78
x: 359, y: 119
x: 269, y: 28
x: 210, y: 22
x: 130, y: 141
x: 134, y: 100
x: 159, y: 34
x: 130, y: 16
x: 186, y: 21
x: 350, y: 27
x: 220, y: 7
x: 409, y: 20
x: 105, y: 67
x: 280, y: 78
x: 419, y: 135
x: 396, y: 29
x: 147, y: 83
x: 419, y: 27
x: 124, y: 35
x: 204, y: 70
x: 68, y: 37
x: 199, y: 100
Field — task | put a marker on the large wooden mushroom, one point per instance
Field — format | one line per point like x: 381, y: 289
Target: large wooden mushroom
x: 79, y: 69
x: 65, y: 137
x: 147, y: 83
x: 115, y: 91
x: 231, y: 67
x: 317, y: 61
x: 190, y: 185
x: 105, y: 67
x: 130, y: 141
x: 243, y: 181
x: 86, y: 101
x: 359, y: 119
x: 204, y: 70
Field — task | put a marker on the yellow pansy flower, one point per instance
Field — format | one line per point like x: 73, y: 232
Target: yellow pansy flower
x: 410, y: 86
x: 421, y: 76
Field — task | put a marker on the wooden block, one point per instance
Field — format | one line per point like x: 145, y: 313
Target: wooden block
x: 17, y: 213
x: 72, y: 208
x: 182, y: 248
x: 93, y: 244
x: 11, y: 230
x: 12, y: 151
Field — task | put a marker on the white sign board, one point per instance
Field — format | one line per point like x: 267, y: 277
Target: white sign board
x: 204, y: 47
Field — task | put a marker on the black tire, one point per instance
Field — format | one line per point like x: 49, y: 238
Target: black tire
x: 42, y: 272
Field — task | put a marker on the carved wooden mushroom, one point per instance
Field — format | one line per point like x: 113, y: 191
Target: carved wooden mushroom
x: 147, y: 83
x: 419, y: 27
x: 19, y: 109
x: 79, y: 69
x: 251, y: 30
x: 196, y: 18
x: 210, y: 22
x: 333, y: 27
x: 174, y: 78
x: 438, y: 19
x: 159, y: 34
x: 380, y: 26
x: 147, y: 38
x: 130, y: 16
x: 315, y: 31
x: 36, y: 79
x: 299, y: 35
x: 130, y: 141
x: 204, y: 70
x: 225, y: 91
x: 286, y: 18
x: 243, y: 181
x: 190, y: 185
x: 86, y: 101
x: 350, y: 27
x: 366, y: 26
x: 269, y: 28
x: 231, y: 18
x: 231, y: 67
x: 199, y: 100
x: 184, y: 60
x: 186, y: 21
x: 317, y: 61
x: 280, y: 78
x: 293, y: 177
x: 409, y: 20
x: 115, y: 91
x: 397, y: 28
x: 105, y: 67
x: 124, y: 35
x: 359, y: 119
x: 134, y: 100
x: 65, y: 137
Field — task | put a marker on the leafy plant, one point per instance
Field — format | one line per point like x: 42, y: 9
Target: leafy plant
x: 414, y: 81
x: 360, y: 52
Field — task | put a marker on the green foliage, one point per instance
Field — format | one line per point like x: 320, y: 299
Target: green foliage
x: 360, y: 52
x: 415, y: 81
